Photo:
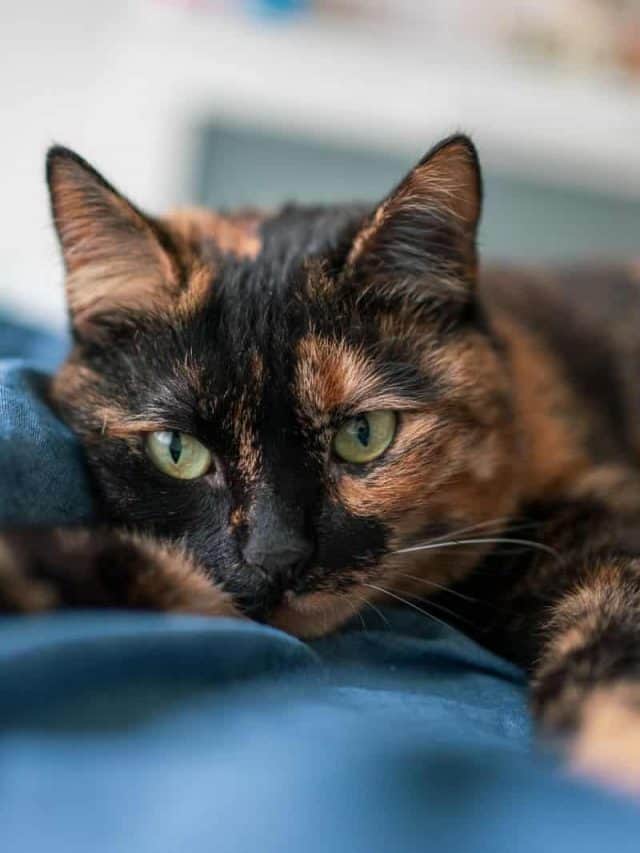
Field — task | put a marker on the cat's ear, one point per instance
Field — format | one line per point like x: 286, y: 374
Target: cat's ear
x: 114, y: 255
x: 420, y: 243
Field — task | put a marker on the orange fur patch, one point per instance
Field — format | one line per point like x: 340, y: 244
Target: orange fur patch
x: 249, y: 453
x: 607, y: 746
x: 550, y: 415
x: 175, y: 582
x: 237, y: 233
x: 329, y: 375
x: 317, y: 613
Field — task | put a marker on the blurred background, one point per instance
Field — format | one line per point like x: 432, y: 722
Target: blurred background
x: 227, y: 102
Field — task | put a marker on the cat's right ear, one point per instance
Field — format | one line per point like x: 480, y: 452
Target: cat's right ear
x: 115, y: 257
x: 418, y: 248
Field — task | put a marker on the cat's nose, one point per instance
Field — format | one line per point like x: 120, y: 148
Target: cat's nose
x: 277, y: 552
x: 277, y: 543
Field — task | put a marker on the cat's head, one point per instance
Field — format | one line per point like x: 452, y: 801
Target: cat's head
x: 301, y: 397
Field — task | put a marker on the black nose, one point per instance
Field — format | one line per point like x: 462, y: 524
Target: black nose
x: 277, y: 541
x: 278, y: 551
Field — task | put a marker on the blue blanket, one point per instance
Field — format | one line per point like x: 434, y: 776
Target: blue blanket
x: 141, y: 733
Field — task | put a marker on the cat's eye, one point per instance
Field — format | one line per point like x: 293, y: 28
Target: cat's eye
x: 178, y: 454
x: 365, y: 437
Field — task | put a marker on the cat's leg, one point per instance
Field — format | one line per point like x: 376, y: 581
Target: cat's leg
x: 577, y: 611
x: 45, y: 569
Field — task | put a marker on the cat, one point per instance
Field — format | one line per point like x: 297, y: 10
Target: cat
x: 288, y: 415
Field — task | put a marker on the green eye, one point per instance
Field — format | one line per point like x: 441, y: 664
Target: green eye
x: 178, y: 454
x: 366, y: 436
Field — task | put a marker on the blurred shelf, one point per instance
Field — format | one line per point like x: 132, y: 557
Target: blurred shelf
x: 355, y: 86
x: 131, y: 84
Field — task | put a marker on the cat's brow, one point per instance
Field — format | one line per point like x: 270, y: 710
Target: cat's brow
x: 384, y: 400
x: 119, y: 424
x: 393, y: 385
x: 407, y: 380
x: 332, y: 376
x: 124, y: 427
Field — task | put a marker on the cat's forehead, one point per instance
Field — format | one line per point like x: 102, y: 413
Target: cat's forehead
x: 265, y: 340
x: 298, y: 356
x: 268, y: 346
x: 280, y: 327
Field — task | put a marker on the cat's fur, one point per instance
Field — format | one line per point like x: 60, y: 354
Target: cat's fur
x: 519, y: 419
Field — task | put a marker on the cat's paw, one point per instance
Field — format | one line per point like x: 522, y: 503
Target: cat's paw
x: 46, y: 569
x: 606, y: 748
x: 19, y: 591
x: 148, y: 573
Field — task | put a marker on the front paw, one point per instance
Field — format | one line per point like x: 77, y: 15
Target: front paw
x: 75, y: 567
x: 20, y: 592
x: 606, y: 747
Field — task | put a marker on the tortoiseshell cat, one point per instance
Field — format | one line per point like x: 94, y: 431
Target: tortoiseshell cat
x: 289, y: 415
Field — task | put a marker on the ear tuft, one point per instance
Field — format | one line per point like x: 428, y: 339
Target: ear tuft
x: 113, y: 253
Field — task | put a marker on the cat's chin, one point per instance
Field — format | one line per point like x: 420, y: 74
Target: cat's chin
x: 312, y: 615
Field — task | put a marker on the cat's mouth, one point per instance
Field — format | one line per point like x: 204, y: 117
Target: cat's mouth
x: 311, y: 614
x: 297, y: 604
x: 259, y: 595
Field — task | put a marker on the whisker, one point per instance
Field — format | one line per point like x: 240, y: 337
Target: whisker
x: 431, y: 603
x: 357, y: 609
x: 439, y: 586
x: 383, y: 619
x: 379, y: 613
x: 484, y: 525
x: 481, y: 525
x: 408, y: 603
x: 454, y: 543
x: 360, y: 601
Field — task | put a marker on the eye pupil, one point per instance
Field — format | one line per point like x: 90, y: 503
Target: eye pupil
x: 363, y: 431
x: 175, y: 447
x: 366, y: 436
x: 178, y: 454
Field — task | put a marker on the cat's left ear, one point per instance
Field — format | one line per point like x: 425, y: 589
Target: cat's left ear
x: 420, y: 243
x: 116, y: 257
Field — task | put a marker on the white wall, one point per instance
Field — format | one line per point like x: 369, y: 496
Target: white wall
x: 125, y: 83
x: 68, y: 74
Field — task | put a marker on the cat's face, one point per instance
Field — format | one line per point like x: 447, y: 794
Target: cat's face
x: 300, y: 397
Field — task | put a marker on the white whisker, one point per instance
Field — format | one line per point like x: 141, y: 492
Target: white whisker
x: 455, y: 543
x: 408, y: 603
x: 481, y: 525
x: 498, y: 523
x: 357, y: 607
x: 375, y: 609
x: 438, y: 586
x: 439, y: 606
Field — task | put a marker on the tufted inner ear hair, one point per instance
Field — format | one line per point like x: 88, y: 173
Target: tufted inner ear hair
x: 420, y: 243
x: 116, y: 257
